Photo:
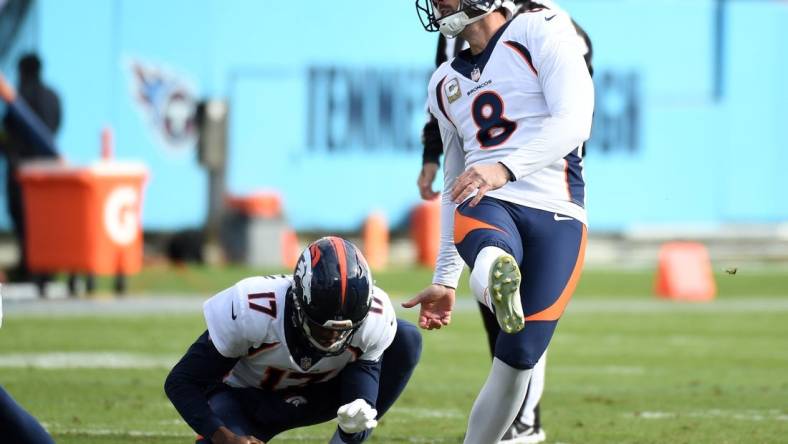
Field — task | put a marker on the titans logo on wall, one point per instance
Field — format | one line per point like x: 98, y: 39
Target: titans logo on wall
x: 168, y: 103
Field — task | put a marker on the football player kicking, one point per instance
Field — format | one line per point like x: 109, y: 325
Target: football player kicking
x: 282, y: 352
x: 527, y: 426
x: 513, y: 112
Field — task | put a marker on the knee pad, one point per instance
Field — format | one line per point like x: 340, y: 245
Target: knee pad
x: 515, y: 356
x: 523, y: 350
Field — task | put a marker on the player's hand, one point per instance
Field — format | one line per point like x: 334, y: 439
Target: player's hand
x: 225, y: 436
x: 427, y: 175
x: 436, y: 301
x: 480, y: 178
x: 357, y: 416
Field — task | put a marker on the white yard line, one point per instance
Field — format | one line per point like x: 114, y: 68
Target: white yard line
x: 740, y: 415
x: 190, y: 304
x: 122, y: 306
x: 69, y: 360
x: 427, y: 413
x: 116, y: 432
x: 290, y: 437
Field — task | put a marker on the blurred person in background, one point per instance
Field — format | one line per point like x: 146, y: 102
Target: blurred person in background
x: 283, y: 352
x: 513, y: 113
x: 527, y: 426
x: 20, y: 147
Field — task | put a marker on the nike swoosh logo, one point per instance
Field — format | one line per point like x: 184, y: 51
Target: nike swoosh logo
x: 547, y: 19
x: 560, y: 218
x: 232, y: 311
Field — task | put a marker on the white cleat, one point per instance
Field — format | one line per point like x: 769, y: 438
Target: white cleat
x: 504, y: 288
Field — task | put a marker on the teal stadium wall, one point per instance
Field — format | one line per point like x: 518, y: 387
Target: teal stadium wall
x: 327, y: 103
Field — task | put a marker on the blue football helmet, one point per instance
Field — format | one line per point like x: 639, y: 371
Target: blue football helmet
x: 332, y: 294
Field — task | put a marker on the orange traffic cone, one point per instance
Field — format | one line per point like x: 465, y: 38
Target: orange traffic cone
x: 376, y: 240
x: 425, y: 230
x: 684, y: 272
x: 290, y: 248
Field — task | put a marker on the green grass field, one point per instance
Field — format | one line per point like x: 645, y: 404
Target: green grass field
x: 622, y: 368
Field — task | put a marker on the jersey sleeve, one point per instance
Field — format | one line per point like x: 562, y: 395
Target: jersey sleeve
x: 567, y: 87
x: 379, y: 327
x: 232, y: 326
x: 449, y: 265
x: 199, y: 369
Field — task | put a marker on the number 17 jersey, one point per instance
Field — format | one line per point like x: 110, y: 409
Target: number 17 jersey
x: 248, y: 321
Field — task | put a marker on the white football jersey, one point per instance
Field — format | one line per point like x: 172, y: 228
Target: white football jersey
x: 247, y: 321
x: 526, y: 101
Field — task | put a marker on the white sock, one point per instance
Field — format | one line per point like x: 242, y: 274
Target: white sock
x: 480, y: 275
x: 497, y: 404
x: 535, y: 390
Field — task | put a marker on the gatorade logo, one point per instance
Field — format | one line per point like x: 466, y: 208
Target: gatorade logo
x: 120, y: 215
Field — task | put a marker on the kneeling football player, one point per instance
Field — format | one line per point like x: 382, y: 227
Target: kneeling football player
x: 282, y: 352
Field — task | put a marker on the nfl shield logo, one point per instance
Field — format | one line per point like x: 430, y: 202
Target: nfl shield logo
x: 476, y: 74
x: 306, y: 362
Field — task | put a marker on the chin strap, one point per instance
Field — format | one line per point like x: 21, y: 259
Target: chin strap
x: 454, y: 24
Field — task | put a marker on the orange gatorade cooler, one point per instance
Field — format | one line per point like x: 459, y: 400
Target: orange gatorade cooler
x: 84, y: 219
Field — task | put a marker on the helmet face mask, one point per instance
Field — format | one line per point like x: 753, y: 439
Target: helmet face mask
x: 332, y: 294
x: 468, y: 11
x: 328, y: 339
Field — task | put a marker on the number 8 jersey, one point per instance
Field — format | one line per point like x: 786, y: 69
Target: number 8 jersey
x: 525, y: 101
